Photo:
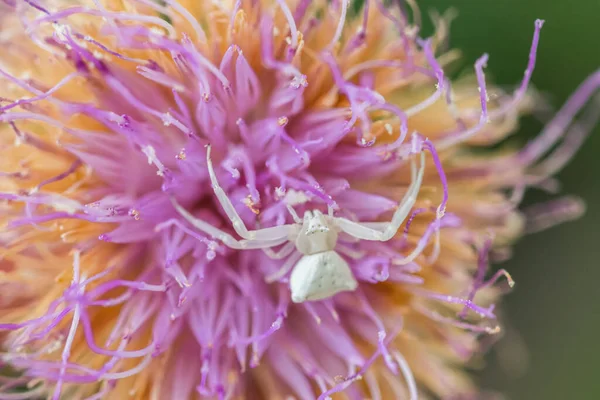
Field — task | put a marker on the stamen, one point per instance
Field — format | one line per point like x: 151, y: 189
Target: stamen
x: 546, y: 215
x: 483, y: 312
x: 63, y: 14
x: 555, y: 128
x: 41, y: 95
x: 401, y: 26
x: 301, y: 10
x: 291, y: 22
x: 381, y: 334
x: 72, y: 330
x: 340, y: 27
x: 520, y: 93
x: 408, y: 376
x: 434, y: 315
x: 361, y: 36
x: 181, y: 156
x: 454, y: 139
x: 440, y: 85
x: 189, y: 17
x: 573, y: 139
x: 482, y: 265
x: 37, y: 6
x: 161, y: 78
x: 76, y: 164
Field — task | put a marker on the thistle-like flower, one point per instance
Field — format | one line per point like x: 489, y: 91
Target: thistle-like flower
x: 156, y: 156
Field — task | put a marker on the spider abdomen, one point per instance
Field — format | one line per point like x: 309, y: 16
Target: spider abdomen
x: 319, y: 276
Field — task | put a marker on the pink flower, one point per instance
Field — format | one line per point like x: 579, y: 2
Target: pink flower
x: 122, y: 273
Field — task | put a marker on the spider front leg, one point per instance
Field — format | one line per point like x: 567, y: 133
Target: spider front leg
x: 234, y: 217
x: 367, y: 231
x: 275, y: 239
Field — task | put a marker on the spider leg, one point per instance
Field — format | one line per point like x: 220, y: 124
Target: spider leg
x: 330, y: 211
x: 285, y: 268
x: 294, y: 214
x: 237, y: 222
x: 227, y: 239
x: 282, y: 253
x: 421, y: 246
x: 368, y: 231
x: 350, y: 252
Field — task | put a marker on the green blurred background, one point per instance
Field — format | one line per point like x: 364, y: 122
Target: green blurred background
x: 556, y: 303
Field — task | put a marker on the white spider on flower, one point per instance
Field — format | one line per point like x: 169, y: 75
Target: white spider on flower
x: 318, y: 271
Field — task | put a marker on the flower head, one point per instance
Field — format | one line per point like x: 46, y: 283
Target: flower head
x: 130, y: 263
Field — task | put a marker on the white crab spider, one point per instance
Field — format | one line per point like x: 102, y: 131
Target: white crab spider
x: 318, y: 271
